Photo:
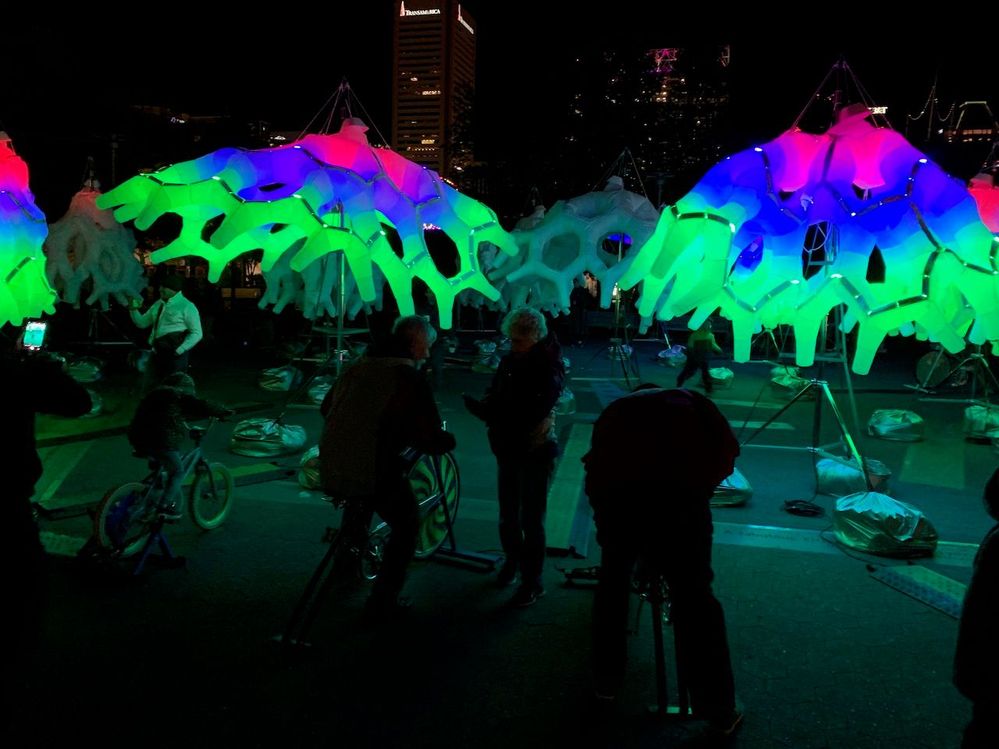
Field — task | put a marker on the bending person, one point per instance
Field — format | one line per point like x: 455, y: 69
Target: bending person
x: 655, y: 458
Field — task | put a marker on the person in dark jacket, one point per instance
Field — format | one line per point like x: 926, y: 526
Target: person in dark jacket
x: 29, y: 386
x: 380, y: 406
x: 519, y: 411
x: 655, y: 458
x: 159, y: 429
x: 976, y: 660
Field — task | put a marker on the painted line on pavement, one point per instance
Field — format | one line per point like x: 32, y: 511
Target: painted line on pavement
x: 780, y: 426
x: 749, y: 404
x: 949, y: 553
x: 58, y: 463
x: 567, y: 488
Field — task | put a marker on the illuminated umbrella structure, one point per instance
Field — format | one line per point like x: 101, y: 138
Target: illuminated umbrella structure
x: 318, y: 196
x: 24, y: 291
x: 558, y: 246
x: 785, y: 232
x: 87, y: 244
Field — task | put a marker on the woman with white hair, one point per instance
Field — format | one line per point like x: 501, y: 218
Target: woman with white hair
x: 518, y: 409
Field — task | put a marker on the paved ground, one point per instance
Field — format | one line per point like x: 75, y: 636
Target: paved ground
x: 824, y: 654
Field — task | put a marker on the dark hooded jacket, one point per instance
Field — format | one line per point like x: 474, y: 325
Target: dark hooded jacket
x: 378, y: 408
x: 519, y: 405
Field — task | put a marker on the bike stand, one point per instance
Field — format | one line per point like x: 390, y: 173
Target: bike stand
x: 293, y: 638
x: 581, y: 577
x: 663, y: 709
x: 166, y: 557
x: 451, y: 552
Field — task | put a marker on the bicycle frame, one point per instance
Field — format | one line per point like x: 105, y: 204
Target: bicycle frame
x: 157, y: 477
x: 131, y: 510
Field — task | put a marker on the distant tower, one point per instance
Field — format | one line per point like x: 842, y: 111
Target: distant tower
x: 433, y: 81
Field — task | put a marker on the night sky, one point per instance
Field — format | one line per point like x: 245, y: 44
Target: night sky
x: 66, y: 79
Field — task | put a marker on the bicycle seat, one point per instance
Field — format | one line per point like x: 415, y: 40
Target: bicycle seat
x: 197, y: 432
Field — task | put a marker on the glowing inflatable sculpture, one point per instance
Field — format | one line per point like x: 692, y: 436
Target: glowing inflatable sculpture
x: 24, y: 292
x: 87, y: 244
x: 783, y: 233
x: 986, y: 194
x: 320, y: 195
x: 559, y: 246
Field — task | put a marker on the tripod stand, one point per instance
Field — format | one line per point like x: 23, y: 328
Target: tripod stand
x: 620, y: 345
x: 820, y: 389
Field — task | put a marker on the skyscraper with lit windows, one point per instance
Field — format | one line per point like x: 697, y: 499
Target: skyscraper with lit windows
x: 433, y: 81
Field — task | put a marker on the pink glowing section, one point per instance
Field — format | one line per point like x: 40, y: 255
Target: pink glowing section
x: 983, y: 189
x: 783, y: 233
x: 321, y: 195
x: 24, y: 290
x: 13, y: 170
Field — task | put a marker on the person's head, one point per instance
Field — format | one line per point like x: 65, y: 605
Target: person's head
x: 705, y: 326
x: 179, y: 381
x: 524, y: 326
x: 991, y: 495
x: 170, y: 286
x: 412, y: 337
x: 647, y: 386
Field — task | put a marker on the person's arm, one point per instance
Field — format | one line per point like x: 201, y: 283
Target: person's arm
x: 147, y: 318
x: 483, y: 408
x: 714, y: 345
x: 199, y: 408
x: 192, y: 321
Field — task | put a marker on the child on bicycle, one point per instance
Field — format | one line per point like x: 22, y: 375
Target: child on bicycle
x: 158, y: 430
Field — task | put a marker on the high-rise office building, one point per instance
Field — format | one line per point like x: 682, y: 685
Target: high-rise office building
x: 666, y: 106
x: 433, y: 83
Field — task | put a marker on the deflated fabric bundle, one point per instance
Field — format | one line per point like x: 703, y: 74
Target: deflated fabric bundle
x: 981, y: 422
x: 896, y: 424
x: 674, y: 356
x: 319, y: 388
x: 839, y: 476
x: 878, y: 524
x: 733, y: 491
x: 280, y: 378
x: 721, y: 377
x: 786, y: 382
x: 266, y: 437
x: 85, y: 368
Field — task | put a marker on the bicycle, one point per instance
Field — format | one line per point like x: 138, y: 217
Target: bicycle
x: 939, y: 369
x: 355, y: 548
x: 127, y: 521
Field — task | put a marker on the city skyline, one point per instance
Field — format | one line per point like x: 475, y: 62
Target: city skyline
x: 66, y: 77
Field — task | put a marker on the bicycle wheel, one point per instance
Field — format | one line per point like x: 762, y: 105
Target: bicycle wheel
x: 933, y: 368
x: 123, y: 520
x: 211, y: 496
x: 428, y: 488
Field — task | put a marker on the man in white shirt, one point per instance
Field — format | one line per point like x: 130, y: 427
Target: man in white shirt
x: 176, y: 329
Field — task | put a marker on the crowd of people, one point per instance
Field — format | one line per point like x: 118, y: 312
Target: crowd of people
x: 382, y: 408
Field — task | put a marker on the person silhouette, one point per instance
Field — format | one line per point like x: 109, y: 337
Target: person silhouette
x: 30, y: 385
x: 976, y: 659
x: 665, y: 526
